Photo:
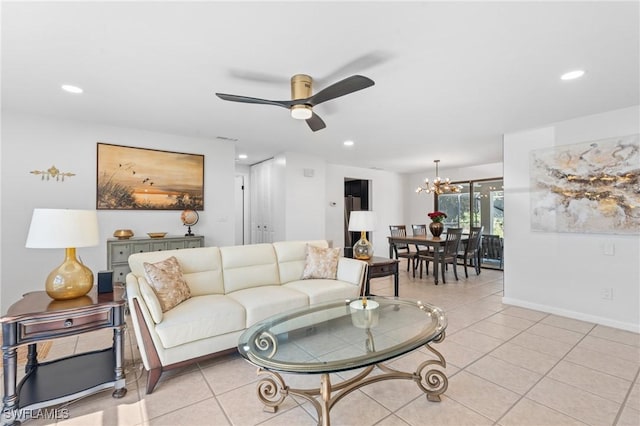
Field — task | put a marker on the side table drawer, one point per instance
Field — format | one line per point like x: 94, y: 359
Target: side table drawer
x: 382, y: 269
x: 60, y: 325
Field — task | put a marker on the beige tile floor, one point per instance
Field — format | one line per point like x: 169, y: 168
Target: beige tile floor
x: 506, y: 366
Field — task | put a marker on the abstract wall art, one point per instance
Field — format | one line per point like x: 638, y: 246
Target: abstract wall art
x: 590, y: 187
x: 147, y: 179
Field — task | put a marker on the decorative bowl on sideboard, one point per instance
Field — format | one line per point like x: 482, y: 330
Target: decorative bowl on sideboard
x: 123, y: 234
x: 156, y: 234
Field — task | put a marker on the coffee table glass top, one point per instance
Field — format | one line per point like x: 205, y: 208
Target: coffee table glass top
x: 341, y: 335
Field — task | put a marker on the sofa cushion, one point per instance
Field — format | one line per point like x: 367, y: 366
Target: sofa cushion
x: 321, y: 263
x: 199, y: 318
x: 165, y: 277
x: 249, y: 266
x: 291, y: 258
x: 322, y: 290
x: 201, y: 267
x: 265, y: 301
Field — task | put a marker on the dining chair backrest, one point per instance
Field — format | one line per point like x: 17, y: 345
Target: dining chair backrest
x: 453, y: 241
x: 419, y: 230
x: 475, y: 238
x: 398, y: 230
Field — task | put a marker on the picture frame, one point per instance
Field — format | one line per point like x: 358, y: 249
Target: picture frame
x: 132, y: 178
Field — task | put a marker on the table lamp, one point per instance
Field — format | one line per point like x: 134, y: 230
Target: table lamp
x: 68, y: 229
x: 362, y: 221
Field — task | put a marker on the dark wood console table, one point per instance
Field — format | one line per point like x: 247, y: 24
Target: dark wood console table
x: 36, y: 318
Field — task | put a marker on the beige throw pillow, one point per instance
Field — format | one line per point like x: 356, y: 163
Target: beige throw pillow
x: 321, y: 263
x: 166, y: 279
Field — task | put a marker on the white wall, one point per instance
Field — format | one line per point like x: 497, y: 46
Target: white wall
x: 304, y: 198
x: 565, y: 273
x: 386, y: 200
x: 417, y: 206
x: 30, y: 142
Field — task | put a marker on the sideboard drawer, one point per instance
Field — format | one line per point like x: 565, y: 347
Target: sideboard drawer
x: 64, y: 324
x: 194, y: 243
x: 139, y: 248
x: 120, y: 273
x: 158, y: 246
x: 120, y: 252
x: 175, y: 245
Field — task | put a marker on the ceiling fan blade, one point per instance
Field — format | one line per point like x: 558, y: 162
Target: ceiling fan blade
x: 315, y: 122
x: 248, y: 100
x: 341, y: 88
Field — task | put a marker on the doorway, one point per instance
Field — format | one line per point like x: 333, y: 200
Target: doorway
x: 241, y: 198
x: 356, y: 197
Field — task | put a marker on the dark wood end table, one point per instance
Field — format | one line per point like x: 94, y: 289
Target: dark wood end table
x: 36, y: 318
x: 382, y: 267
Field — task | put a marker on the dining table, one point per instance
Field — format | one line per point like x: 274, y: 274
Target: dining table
x: 425, y: 240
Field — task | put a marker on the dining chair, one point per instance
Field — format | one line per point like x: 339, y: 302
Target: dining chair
x: 420, y: 230
x: 448, y: 254
x: 402, y: 250
x: 492, y: 249
x: 471, y: 252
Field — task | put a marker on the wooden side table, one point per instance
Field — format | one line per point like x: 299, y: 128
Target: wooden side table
x: 37, y: 317
x: 382, y: 267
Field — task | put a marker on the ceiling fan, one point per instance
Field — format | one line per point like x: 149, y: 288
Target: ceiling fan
x: 302, y: 103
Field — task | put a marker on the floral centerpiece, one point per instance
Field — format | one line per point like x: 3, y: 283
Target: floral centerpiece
x: 437, y: 216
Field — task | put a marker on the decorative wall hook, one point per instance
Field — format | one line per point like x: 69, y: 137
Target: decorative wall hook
x: 51, y: 173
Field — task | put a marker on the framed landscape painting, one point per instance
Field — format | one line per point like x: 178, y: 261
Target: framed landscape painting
x: 589, y: 187
x: 131, y: 178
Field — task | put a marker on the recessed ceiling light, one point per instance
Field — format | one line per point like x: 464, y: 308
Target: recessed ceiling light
x: 572, y: 75
x: 347, y: 143
x: 71, y: 89
x: 242, y: 156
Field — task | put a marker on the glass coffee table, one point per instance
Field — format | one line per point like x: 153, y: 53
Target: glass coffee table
x: 340, y: 336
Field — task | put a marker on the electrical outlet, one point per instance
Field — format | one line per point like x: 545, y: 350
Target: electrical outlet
x: 606, y: 294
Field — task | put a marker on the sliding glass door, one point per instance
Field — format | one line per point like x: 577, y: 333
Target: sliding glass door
x: 479, y: 203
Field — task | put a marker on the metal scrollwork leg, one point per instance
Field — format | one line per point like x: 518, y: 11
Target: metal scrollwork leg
x: 267, y: 342
x: 433, y: 382
x: 271, y: 390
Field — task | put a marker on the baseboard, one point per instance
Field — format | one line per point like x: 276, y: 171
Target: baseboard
x: 572, y: 314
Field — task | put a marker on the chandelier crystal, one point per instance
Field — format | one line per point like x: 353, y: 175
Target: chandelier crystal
x: 438, y: 186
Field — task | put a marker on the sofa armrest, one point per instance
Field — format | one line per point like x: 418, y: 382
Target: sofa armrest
x: 143, y: 324
x: 353, y: 271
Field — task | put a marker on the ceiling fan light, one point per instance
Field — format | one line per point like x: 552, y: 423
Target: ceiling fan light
x: 301, y: 112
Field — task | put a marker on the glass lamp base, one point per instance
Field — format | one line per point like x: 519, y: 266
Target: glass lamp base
x: 362, y: 249
x: 70, y: 280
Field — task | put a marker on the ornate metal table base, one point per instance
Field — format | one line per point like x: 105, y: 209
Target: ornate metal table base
x: 272, y: 389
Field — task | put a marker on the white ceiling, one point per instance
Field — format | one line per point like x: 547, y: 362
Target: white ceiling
x: 451, y: 78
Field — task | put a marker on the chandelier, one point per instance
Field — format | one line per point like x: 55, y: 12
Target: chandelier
x: 438, y: 186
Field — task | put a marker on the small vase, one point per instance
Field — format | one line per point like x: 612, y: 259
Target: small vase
x: 436, y: 229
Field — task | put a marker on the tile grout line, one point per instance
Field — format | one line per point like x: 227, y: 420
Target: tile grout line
x: 524, y: 395
x: 626, y: 398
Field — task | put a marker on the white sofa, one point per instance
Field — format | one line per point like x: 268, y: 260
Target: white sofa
x: 231, y: 289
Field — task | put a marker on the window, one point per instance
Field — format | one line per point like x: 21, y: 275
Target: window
x: 486, y: 209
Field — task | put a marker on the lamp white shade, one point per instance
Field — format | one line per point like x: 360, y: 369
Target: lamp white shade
x: 362, y: 220
x: 63, y: 228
